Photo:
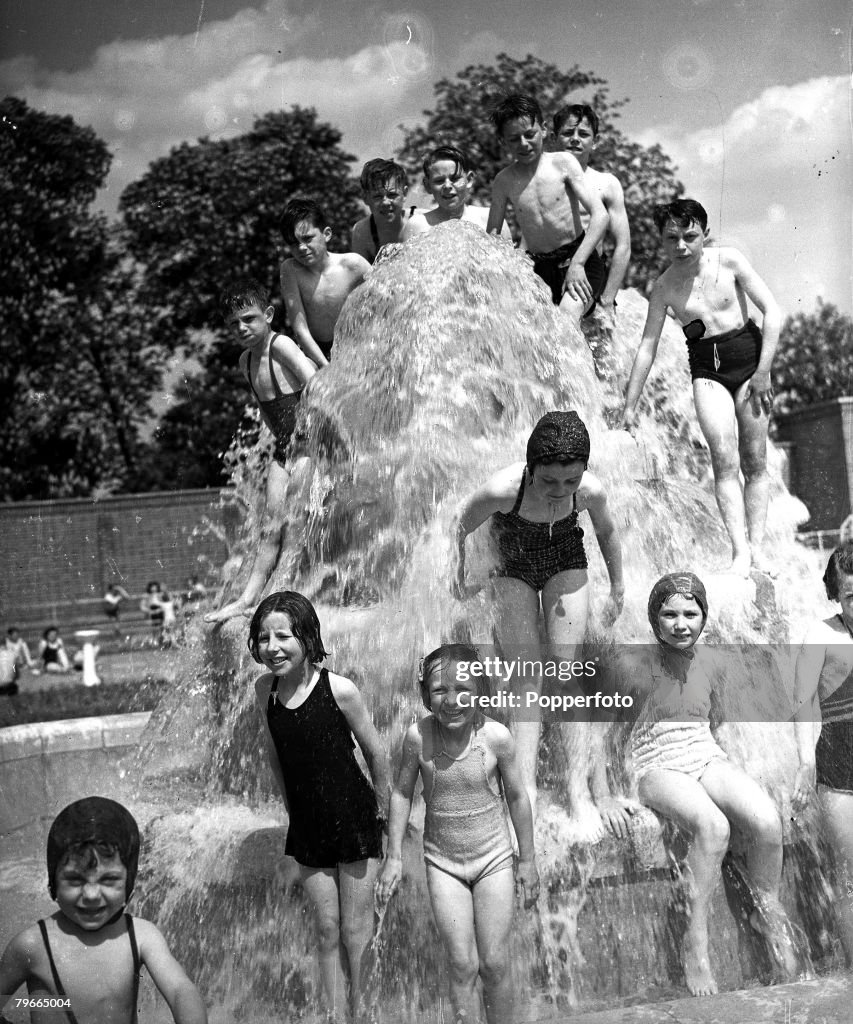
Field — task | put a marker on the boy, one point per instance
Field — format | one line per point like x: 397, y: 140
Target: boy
x: 383, y: 188
x: 277, y: 372
x: 88, y: 954
x: 544, y: 189
x: 16, y: 643
x: 314, y: 281
x: 707, y: 289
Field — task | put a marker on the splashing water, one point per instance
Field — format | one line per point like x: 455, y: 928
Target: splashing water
x: 444, y: 359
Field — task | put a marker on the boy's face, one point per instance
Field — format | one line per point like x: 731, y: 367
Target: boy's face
x: 251, y: 325
x: 449, y: 185
x: 845, y: 596
x: 576, y: 137
x: 524, y: 139
x: 310, y: 243
x: 386, y: 201
x: 90, y: 895
x: 683, y: 245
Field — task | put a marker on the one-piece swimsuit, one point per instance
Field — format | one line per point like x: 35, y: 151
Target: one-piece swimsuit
x: 279, y: 412
x: 834, y: 750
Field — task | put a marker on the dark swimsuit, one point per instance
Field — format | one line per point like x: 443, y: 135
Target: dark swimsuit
x: 57, y: 981
x: 279, y: 412
x: 551, y: 267
x: 534, y: 552
x: 834, y: 750
x: 730, y: 358
x: 331, y: 805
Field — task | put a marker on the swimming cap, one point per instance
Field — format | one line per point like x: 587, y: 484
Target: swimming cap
x: 684, y: 583
x: 558, y: 436
x: 96, y: 819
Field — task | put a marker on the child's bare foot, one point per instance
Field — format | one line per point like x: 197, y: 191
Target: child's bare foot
x: 616, y: 812
x: 697, y: 967
x: 741, y: 564
x: 585, y: 824
x: 763, y: 564
x: 230, y: 611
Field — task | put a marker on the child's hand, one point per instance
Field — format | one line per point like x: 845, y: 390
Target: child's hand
x: 527, y: 882
x: 629, y: 421
x: 577, y: 284
x: 760, y: 393
x: 388, y: 880
x: 613, y: 607
x: 804, y: 787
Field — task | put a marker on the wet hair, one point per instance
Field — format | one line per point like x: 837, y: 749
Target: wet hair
x: 840, y: 562
x: 559, y: 437
x: 515, y: 106
x: 303, y: 622
x: 378, y: 173
x: 244, y: 292
x: 462, y: 165
x: 685, y: 583
x: 445, y: 655
x: 297, y: 212
x: 91, y: 828
x: 50, y: 629
x: 153, y: 583
x: 683, y: 211
x: 579, y: 111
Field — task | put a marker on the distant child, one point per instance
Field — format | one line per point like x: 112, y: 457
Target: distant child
x: 467, y: 765
x: 313, y: 719
x: 730, y: 360
x: 16, y: 643
x: 685, y: 775
x: 112, y: 604
x: 88, y: 955
x: 151, y: 606
x: 545, y: 190
x: 315, y: 282
x: 824, y: 698
x: 384, y: 185
x: 277, y: 372
x: 52, y: 651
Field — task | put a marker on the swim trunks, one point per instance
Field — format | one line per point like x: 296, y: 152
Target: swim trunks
x: 465, y: 828
x: 331, y: 805
x: 730, y: 358
x: 534, y: 552
x: 552, y: 266
x: 279, y: 412
x: 834, y: 750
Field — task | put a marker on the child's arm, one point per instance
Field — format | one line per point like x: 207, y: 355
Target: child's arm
x: 473, y: 513
x: 609, y: 544
x: 167, y: 974
x: 497, y: 209
x: 576, y: 283
x: 518, y: 803
x: 296, y: 314
x: 350, y: 702
x: 621, y: 231
x: 262, y: 694
x: 807, y: 715
x: 645, y: 354
x: 293, y: 358
x: 401, y: 808
x: 760, y: 390
x: 14, y: 966
x: 64, y: 664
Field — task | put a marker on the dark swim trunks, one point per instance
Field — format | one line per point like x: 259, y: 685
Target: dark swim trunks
x: 552, y: 266
x: 730, y: 358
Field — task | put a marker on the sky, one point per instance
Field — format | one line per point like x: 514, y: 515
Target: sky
x: 750, y: 98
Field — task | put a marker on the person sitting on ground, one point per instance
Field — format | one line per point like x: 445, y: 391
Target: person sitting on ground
x: 384, y: 185
x: 112, y: 604
x: 544, y: 190
x: 315, y: 283
x: 52, y: 651
x: 277, y: 372
x: 86, y: 958
x: 730, y: 358
x: 16, y: 643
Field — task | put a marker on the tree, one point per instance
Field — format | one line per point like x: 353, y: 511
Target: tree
x: 461, y: 118
x: 814, y: 360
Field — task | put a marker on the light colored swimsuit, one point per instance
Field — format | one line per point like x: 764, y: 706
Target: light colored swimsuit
x: 465, y: 829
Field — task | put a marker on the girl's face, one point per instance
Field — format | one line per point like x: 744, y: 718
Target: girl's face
x: 51, y: 636
x: 680, y: 622
x: 555, y: 481
x: 845, y: 596
x: 90, y: 894
x: 451, y: 700
x: 278, y: 649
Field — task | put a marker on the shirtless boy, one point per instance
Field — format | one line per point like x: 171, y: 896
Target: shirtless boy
x: 86, y: 957
x: 545, y: 190
x: 730, y: 360
x: 277, y: 372
x: 383, y: 188
x: 314, y: 281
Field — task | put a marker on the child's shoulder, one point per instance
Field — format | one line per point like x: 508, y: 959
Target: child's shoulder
x: 26, y: 946
x: 263, y: 685
x: 495, y: 734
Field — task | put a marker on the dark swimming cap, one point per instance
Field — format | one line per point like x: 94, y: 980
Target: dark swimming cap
x: 558, y: 436
x: 94, y: 820
x: 684, y: 583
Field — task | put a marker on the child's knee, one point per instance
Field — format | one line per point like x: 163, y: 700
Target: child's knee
x: 494, y: 964
x: 464, y: 965
x: 725, y: 462
x: 356, y: 932
x: 753, y: 461
x: 328, y: 932
x: 767, y: 827
x: 713, y: 832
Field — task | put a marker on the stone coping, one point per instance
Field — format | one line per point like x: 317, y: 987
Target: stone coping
x: 99, y: 732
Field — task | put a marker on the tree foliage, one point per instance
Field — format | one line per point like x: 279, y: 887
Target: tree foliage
x: 814, y: 360
x: 461, y: 118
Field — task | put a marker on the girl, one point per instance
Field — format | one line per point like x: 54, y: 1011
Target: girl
x: 464, y: 759
x: 52, y: 651
x: 685, y: 775
x: 152, y: 606
x: 335, y: 826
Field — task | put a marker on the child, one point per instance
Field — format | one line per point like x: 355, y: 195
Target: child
x: 730, y: 360
x: 544, y: 189
x: 52, y: 651
x: 315, y: 282
x: 152, y: 606
x: 335, y: 816
x: 465, y: 760
x: 383, y: 188
x: 533, y: 508
x: 684, y: 775
x: 16, y: 643
x: 277, y: 372
x: 112, y: 604
x: 824, y: 696
x: 89, y: 953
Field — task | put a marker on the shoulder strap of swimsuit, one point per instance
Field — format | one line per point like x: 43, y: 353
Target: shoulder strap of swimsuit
x: 374, y: 232
x: 273, y: 692
x: 520, y: 496
x: 249, y: 378
x: 57, y: 981
x: 275, y: 385
x: 137, y: 963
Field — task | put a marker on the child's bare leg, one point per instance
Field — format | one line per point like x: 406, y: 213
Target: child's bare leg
x: 837, y: 809
x: 494, y: 899
x: 321, y: 886
x: 356, y: 882
x: 453, y: 909
x: 683, y: 799
x: 752, y: 433
x: 716, y: 414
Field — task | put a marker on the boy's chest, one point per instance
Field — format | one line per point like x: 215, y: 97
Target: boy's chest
x: 97, y: 981
x: 709, y: 291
